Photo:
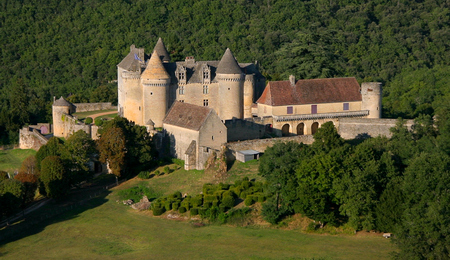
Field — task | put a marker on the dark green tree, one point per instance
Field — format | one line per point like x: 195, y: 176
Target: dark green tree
x: 54, y: 178
x: 327, y: 138
x: 81, y: 148
x: 424, y: 232
x: 12, y: 193
x: 112, y: 149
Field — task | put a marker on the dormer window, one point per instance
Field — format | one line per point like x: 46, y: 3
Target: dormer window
x: 206, y: 74
x: 181, y: 74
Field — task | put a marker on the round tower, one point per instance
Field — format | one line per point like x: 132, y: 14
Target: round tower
x: 60, y: 108
x: 155, y: 84
x: 371, y: 98
x: 231, y: 87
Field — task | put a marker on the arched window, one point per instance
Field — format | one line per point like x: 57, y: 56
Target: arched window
x: 314, y: 127
x: 285, y: 130
x: 300, y: 129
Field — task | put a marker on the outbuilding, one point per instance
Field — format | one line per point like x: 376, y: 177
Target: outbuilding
x: 247, y: 155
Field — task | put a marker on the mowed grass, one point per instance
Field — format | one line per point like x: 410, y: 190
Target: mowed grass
x: 82, y: 115
x: 11, y: 160
x: 106, y: 229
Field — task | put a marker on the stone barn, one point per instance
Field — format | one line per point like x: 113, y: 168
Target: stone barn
x: 195, y: 132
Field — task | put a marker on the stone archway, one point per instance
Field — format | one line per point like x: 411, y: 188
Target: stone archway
x: 301, y: 129
x: 285, y: 130
x: 314, y: 127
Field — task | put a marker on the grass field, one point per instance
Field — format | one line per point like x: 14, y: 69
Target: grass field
x: 11, y: 160
x: 83, y: 115
x: 106, y: 229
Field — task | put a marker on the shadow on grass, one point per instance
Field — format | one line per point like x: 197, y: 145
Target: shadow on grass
x: 53, y: 212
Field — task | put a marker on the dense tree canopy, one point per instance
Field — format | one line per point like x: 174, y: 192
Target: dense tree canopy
x: 52, y: 48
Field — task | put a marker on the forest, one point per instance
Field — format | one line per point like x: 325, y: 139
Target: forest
x: 71, y: 48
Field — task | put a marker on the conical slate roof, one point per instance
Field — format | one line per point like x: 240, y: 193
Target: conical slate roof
x: 160, y: 48
x: 155, y: 69
x: 61, y: 102
x: 228, y: 64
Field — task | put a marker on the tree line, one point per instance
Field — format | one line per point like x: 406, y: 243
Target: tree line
x: 398, y: 184
x: 60, y: 166
x: 71, y: 48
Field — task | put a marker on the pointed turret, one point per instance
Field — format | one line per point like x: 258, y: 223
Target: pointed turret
x: 155, y: 69
x: 228, y: 64
x: 160, y: 48
x: 155, y: 85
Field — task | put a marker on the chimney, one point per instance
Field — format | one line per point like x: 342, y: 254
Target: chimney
x: 292, y: 80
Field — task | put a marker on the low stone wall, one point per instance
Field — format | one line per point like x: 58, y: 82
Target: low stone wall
x: 261, y: 145
x: 350, y: 128
x: 85, y: 107
x: 239, y: 129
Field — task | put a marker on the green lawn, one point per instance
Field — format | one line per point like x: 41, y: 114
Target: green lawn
x: 82, y: 115
x: 106, y: 229
x: 11, y: 160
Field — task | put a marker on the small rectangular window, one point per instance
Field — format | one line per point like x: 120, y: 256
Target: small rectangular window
x: 346, y: 106
x: 313, y: 109
x: 182, y: 101
x: 205, y: 89
x: 181, y: 90
x: 290, y: 110
x: 205, y: 102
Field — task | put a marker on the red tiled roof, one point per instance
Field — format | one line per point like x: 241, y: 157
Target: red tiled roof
x: 310, y: 91
x: 187, y: 115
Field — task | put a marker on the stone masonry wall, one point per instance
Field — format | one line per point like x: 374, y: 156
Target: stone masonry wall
x: 85, y: 107
x: 350, y: 128
x: 261, y: 145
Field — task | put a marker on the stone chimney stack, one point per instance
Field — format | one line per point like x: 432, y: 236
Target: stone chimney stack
x: 292, y: 80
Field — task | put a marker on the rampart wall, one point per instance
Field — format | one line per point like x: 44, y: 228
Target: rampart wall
x: 350, y: 128
x: 261, y: 145
x: 238, y: 129
x: 85, y: 107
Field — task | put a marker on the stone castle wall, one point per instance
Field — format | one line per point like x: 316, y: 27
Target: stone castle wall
x: 350, y: 128
x: 261, y: 145
x: 31, y: 138
x: 238, y: 129
x: 85, y: 107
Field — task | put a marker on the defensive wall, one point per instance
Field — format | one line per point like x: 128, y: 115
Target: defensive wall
x: 30, y: 137
x: 261, y: 145
x: 86, y: 107
x: 350, y: 128
x: 239, y: 129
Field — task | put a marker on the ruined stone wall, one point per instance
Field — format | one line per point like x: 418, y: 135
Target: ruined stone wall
x: 350, y: 128
x: 30, y: 138
x: 85, y: 107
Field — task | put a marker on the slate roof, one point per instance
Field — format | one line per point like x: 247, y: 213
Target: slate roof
x: 130, y: 62
x: 160, y: 48
x: 310, y: 91
x: 187, y: 115
x: 155, y: 68
x: 228, y: 64
x: 61, y: 102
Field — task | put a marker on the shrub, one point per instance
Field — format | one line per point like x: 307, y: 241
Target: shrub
x: 197, y: 201
x: 215, y: 203
x: 228, y: 201
x: 208, y: 188
x: 177, y: 194
x: 98, y: 121
x: 88, y: 120
x: 144, y: 175
x: 166, y: 170
x: 182, y: 210
x: 223, y: 186
x: 246, y: 185
x: 243, y: 195
x: 210, y: 198
x: 158, y: 211
x: 261, y: 198
x: 207, y: 204
x: 168, y: 205
x: 136, y: 193
x: 185, y: 204
x: 222, y: 209
x: 178, y: 162
x: 270, y: 212
x: 229, y: 193
x: 157, y: 173
x: 175, y: 205
x: 249, y: 201
x: 219, y: 193
x: 194, y: 211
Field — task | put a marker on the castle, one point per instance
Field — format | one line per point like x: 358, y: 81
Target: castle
x: 149, y: 85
